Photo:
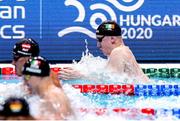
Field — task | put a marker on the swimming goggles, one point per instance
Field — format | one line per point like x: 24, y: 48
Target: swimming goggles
x: 27, y: 77
x: 100, y: 37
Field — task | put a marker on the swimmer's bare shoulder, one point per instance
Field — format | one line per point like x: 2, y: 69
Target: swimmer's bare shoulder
x: 57, y: 96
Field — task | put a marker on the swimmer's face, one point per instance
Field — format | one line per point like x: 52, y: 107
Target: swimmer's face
x: 105, y: 45
x: 32, y: 82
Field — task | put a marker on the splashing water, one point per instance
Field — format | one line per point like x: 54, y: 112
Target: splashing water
x: 95, y: 67
x: 79, y: 100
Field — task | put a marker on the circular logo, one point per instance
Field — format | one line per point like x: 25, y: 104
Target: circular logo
x: 133, y: 7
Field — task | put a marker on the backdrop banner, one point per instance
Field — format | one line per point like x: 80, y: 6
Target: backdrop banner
x: 63, y: 28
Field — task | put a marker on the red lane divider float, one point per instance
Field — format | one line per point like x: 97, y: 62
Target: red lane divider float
x: 129, y: 89
x: 11, y: 70
x: 7, y: 71
x: 131, y: 111
x: 106, y: 89
x: 56, y: 69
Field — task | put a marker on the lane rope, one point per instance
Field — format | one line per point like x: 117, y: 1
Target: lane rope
x: 131, y: 90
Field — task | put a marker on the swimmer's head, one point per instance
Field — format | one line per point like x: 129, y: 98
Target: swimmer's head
x: 108, y: 28
x: 26, y: 47
x: 36, y: 66
x: 15, y: 107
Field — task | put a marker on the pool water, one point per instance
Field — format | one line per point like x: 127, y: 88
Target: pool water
x: 109, y: 106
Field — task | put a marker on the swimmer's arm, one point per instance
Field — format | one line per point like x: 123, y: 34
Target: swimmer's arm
x: 69, y: 73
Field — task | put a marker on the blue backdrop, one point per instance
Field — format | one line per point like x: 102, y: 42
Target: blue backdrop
x: 150, y: 27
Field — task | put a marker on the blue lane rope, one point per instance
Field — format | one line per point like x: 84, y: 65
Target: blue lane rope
x: 157, y: 90
x: 174, y: 112
x: 136, y: 90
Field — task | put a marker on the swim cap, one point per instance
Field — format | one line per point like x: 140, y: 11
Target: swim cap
x: 26, y: 47
x: 36, y: 66
x: 15, y: 107
x: 108, y: 28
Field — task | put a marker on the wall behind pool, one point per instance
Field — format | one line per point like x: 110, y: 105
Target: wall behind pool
x: 149, y: 27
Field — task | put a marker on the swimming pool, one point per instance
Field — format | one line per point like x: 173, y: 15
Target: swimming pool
x: 113, y: 101
x: 108, y: 99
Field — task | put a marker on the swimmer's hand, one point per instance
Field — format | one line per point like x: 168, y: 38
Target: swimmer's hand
x: 68, y: 73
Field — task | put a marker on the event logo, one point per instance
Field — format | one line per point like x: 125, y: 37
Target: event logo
x: 95, y: 16
x: 15, y: 12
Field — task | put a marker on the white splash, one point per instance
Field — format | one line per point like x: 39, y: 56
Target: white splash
x: 94, y: 66
x: 79, y: 100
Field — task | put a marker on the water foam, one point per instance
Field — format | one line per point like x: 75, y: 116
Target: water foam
x: 79, y: 100
x: 95, y: 66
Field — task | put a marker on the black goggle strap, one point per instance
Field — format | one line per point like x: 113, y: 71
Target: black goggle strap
x: 100, y: 37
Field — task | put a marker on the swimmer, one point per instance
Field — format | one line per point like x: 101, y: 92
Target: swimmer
x: 22, y: 51
x: 25, y: 49
x: 120, y: 58
x: 15, y: 109
x: 55, y: 104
